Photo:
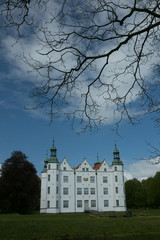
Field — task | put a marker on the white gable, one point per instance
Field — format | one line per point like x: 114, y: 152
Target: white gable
x: 65, y: 165
x: 84, y: 166
x: 104, y: 167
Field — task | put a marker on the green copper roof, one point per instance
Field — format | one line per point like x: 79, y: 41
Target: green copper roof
x: 45, y: 164
x: 53, y: 154
x: 44, y: 169
x: 116, y: 150
x: 53, y: 159
x: 116, y: 157
x: 117, y: 162
x: 97, y: 162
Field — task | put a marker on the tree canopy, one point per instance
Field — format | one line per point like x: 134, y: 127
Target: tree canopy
x: 144, y: 194
x: 19, y: 185
x: 96, y: 58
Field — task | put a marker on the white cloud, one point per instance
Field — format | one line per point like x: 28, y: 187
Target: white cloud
x: 142, y: 169
x: 118, y: 61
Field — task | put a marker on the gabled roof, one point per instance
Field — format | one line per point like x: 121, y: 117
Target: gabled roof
x: 97, y: 166
x: 77, y: 167
x: 83, y: 164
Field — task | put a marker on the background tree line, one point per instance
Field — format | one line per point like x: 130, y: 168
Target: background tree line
x: 143, y: 194
x: 19, y: 185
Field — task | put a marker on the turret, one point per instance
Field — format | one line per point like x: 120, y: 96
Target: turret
x: 116, y: 157
x: 45, y: 164
x: 97, y: 162
x: 53, y: 154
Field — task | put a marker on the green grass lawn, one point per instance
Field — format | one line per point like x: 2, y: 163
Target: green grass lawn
x: 142, y: 225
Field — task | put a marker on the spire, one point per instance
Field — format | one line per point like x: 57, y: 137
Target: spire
x: 97, y: 162
x: 53, y: 153
x: 116, y: 157
x: 45, y: 163
x: 97, y: 157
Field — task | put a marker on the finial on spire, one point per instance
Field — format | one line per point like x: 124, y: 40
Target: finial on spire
x: 97, y: 158
x: 53, y: 141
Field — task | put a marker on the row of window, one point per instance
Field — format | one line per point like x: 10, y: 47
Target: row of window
x: 86, y: 203
x: 79, y: 179
x: 92, y: 191
x: 83, y: 169
x: 85, y: 191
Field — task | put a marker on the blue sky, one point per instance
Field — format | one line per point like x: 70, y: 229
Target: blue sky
x: 30, y: 131
x: 32, y: 134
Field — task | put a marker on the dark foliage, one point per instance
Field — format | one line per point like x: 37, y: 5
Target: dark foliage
x: 145, y: 194
x: 19, y: 185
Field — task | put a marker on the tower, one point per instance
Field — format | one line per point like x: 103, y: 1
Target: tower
x: 50, y: 183
x: 43, y: 202
x: 118, y: 182
x: 116, y: 157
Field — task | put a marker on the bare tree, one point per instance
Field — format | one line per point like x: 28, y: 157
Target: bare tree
x: 96, y: 57
x: 154, y: 154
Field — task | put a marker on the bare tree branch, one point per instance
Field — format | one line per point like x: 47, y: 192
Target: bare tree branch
x: 93, y: 56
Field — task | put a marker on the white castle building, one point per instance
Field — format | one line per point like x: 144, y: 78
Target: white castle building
x: 85, y: 188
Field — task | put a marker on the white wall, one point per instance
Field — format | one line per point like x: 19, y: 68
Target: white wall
x: 85, y: 171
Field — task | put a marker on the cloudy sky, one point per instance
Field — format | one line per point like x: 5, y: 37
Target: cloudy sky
x: 30, y: 131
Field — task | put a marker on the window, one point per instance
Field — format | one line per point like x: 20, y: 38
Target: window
x: 93, y: 191
x: 87, y: 169
x: 65, y: 203
x: 79, y: 179
x: 48, y: 204
x: 48, y: 190
x: 49, y: 178
x: 83, y: 169
x: 105, y: 169
x: 115, y: 168
x: 57, y: 178
x: 93, y: 203
x: 92, y: 179
x: 123, y: 178
x: 116, y: 178
x: 65, y: 191
x: 106, y: 203
x: 49, y: 166
x: 57, y: 167
x: 79, y: 203
x: 65, y: 179
x: 86, y: 191
x: 105, y: 190
x: 105, y: 179
x: 57, y: 205
x: 57, y: 189
x: 117, y: 203
x: 79, y: 191
x: 64, y: 168
x: 116, y: 189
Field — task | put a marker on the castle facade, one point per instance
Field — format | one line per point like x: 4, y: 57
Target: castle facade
x: 85, y: 188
